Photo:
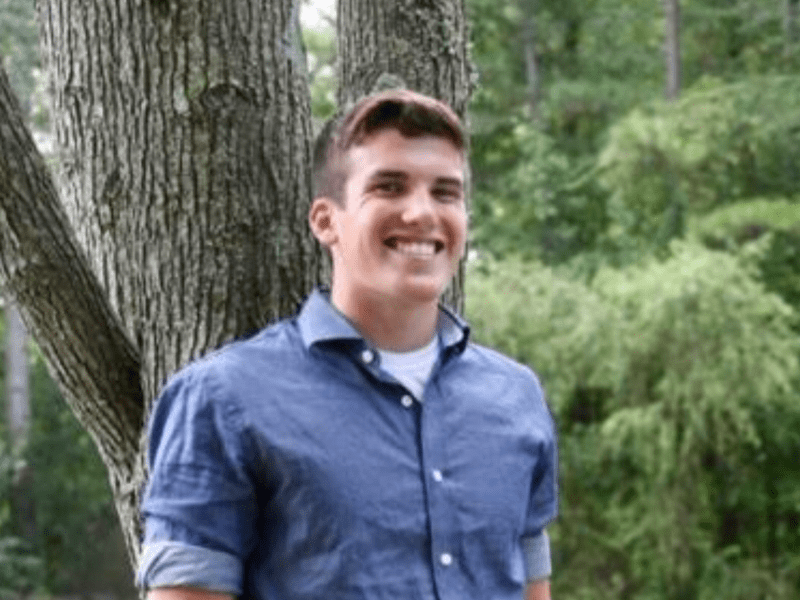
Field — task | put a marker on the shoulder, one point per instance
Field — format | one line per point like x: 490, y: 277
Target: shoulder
x: 205, y: 404
x: 274, y: 345
x: 487, y: 360
x: 503, y: 383
x: 277, y: 342
x: 221, y: 375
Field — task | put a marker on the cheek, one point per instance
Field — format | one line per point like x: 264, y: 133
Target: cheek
x: 462, y: 243
x: 459, y: 226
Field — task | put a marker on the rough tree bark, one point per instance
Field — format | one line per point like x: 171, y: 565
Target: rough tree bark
x: 62, y: 304
x: 177, y: 220
x: 421, y: 44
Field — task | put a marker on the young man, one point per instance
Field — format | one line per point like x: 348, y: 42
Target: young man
x: 364, y: 449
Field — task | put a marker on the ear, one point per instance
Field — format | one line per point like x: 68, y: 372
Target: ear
x: 321, y: 219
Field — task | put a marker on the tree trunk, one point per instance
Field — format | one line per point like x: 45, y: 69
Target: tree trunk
x: 184, y: 130
x: 178, y: 220
x: 17, y: 390
x: 672, y: 48
x: 673, y: 219
x: 419, y: 44
x: 528, y: 9
x: 18, y: 408
x: 790, y: 11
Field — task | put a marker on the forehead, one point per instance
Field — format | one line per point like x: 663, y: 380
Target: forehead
x: 390, y: 150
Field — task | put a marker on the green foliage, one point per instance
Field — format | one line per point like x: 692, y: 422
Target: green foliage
x: 593, y: 61
x: 730, y: 225
x: 674, y: 384
x: 767, y: 232
x: 733, y: 134
x: 73, y: 550
x: 720, y: 143
x: 700, y: 359
x: 320, y: 43
x: 699, y: 343
x: 18, y: 46
x: 623, y: 40
x: 545, y: 204
x: 536, y: 188
x: 731, y: 38
x: 20, y: 568
x: 73, y: 500
x: 501, y: 81
x: 779, y: 265
x: 543, y: 319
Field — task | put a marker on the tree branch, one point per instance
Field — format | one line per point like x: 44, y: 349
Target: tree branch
x: 60, y: 299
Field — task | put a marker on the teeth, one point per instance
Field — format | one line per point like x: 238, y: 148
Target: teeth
x: 417, y: 248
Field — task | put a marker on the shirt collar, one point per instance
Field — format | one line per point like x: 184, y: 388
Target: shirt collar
x: 319, y: 321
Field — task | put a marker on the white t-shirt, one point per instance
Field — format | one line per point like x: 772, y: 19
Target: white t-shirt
x: 412, y: 369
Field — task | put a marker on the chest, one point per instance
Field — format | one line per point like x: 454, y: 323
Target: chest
x: 356, y: 454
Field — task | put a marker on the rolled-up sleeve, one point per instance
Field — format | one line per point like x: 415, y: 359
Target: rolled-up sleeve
x: 543, y: 500
x: 537, y: 556
x: 199, y: 507
x: 177, y: 563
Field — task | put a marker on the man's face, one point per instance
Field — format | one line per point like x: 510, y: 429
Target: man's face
x: 402, y: 227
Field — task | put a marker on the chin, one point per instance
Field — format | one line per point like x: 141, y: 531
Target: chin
x: 420, y: 294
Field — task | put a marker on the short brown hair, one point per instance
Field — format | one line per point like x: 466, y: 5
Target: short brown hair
x: 411, y: 113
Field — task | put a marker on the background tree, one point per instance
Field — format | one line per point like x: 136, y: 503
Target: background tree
x: 18, y: 410
x: 18, y: 47
x: 672, y: 48
x: 675, y: 431
x: 177, y: 219
x: 790, y: 26
x: 528, y: 11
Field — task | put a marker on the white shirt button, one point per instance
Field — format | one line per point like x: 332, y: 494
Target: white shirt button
x: 437, y: 475
x: 367, y: 356
x: 407, y: 401
x: 446, y: 559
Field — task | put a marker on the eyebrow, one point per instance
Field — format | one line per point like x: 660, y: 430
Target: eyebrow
x: 450, y: 181
x: 389, y: 174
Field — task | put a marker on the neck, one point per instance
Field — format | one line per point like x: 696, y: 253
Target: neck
x: 389, y: 325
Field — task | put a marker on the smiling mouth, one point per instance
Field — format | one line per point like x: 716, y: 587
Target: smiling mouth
x: 415, y: 248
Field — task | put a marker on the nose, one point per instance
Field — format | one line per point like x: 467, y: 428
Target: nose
x: 419, y: 208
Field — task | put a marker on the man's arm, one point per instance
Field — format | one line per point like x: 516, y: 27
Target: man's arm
x: 536, y: 590
x: 199, y: 507
x: 190, y: 593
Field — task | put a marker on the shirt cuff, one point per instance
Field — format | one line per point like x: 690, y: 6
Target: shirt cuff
x: 166, y: 564
x: 537, y: 556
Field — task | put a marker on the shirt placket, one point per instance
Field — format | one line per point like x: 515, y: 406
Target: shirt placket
x: 444, y: 548
x: 441, y: 513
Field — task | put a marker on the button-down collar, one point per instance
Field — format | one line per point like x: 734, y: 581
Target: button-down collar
x: 319, y: 321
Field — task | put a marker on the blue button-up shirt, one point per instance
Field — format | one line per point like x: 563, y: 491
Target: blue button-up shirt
x: 291, y: 466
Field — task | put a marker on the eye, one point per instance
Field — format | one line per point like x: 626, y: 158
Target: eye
x: 389, y: 188
x: 447, y: 194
